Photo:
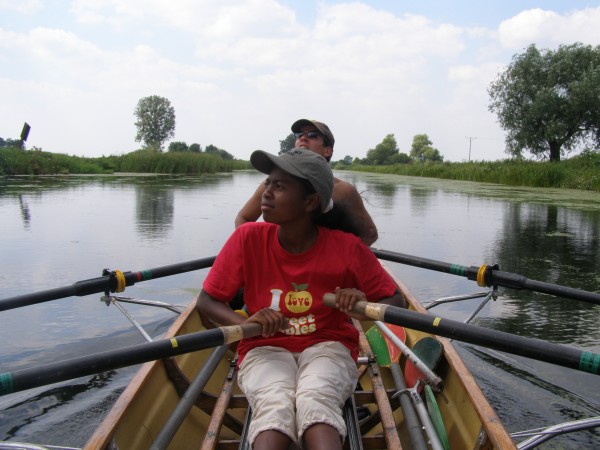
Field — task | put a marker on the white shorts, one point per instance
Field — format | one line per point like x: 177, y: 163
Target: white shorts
x: 289, y: 392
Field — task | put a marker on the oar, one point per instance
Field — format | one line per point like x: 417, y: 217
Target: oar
x: 498, y: 340
x: 387, y: 356
x: 20, y: 380
x: 113, y: 281
x: 429, y: 351
x: 413, y: 360
x: 487, y: 275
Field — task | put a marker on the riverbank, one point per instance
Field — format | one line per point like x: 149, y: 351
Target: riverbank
x: 580, y: 172
x: 32, y: 162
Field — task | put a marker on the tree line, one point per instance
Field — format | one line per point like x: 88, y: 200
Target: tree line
x: 384, y: 153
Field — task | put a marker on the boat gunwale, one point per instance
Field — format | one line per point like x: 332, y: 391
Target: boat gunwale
x: 495, y: 432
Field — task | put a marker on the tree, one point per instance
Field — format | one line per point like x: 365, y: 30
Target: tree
x: 287, y: 144
x: 548, y: 101
x: 177, y: 146
x: 155, y: 121
x: 383, y: 153
x: 422, y: 150
x: 219, y: 152
x: 195, y: 148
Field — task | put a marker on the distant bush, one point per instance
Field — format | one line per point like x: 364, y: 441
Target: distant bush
x: 14, y: 161
x: 579, y: 172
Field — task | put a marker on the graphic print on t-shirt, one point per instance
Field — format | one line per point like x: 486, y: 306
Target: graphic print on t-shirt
x: 296, y: 302
x: 299, y: 300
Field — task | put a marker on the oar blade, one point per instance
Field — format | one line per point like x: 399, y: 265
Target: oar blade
x: 379, y: 346
x: 430, y: 351
x: 436, y: 417
x: 393, y: 349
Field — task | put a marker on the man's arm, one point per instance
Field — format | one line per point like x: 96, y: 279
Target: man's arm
x: 250, y: 212
x: 348, y: 197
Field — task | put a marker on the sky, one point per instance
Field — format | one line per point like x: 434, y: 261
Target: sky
x: 239, y: 73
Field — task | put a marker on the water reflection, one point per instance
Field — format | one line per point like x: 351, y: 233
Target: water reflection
x: 557, y: 246
x: 44, y: 244
x: 154, y: 211
x: 25, y: 214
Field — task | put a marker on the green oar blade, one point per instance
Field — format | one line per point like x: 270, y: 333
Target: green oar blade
x: 379, y: 346
x: 436, y: 417
x: 429, y: 350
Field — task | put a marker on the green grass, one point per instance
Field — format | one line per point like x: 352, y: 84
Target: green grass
x: 14, y: 161
x: 579, y: 172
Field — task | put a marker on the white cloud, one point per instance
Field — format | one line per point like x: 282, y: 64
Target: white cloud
x: 21, y: 6
x: 240, y: 72
x: 549, y: 29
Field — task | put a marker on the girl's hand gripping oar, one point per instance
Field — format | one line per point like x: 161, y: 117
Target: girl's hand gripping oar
x: 388, y: 355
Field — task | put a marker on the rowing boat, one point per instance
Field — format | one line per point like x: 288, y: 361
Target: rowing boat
x: 161, y: 401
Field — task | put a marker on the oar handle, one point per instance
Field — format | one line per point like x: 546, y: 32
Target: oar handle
x: 473, y: 334
x: 23, y: 379
x: 373, y: 311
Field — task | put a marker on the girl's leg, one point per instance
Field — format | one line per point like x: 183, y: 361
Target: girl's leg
x: 327, y: 376
x: 267, y: 376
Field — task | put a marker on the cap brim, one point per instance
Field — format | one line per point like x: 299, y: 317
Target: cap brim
x: 298, y: 124
x: 265, y: 162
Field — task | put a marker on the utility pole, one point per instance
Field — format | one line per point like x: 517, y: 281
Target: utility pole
x: 470, y: 138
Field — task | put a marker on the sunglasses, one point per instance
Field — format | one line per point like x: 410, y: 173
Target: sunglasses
x: 309, y: 134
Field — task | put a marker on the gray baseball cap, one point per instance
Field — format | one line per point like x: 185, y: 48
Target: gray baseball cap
x: 301, y: 163
x: 324, y: 129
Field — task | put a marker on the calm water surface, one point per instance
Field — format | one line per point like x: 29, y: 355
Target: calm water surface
x: 58, y: 230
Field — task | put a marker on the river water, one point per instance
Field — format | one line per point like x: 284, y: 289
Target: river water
x: 58, y: 230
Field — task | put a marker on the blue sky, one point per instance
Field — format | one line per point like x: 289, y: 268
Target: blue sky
x: 238, y: 73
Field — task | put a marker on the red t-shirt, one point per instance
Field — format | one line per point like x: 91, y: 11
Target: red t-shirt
x: 294, y: 284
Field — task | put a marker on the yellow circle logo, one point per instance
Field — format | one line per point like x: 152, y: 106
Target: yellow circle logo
x: 299, y: 300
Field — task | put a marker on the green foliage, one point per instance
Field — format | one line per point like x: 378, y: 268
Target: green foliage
x: 422, y: 150
x: 10, y: 143
x: 14, y: 161
x: 195, y: 148
x: 218, y: 152
x: 547, y: 101
x: 386, y: 152
x: 178, y: 146
x: 579, y: 172
x: 287, y: 144
x: 155, y: 121
x: 146, y: 161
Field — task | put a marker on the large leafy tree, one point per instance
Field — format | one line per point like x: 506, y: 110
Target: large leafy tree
x: 155, y: 121
x: 386, y: 152
x: 549, y: 101
x: 422, y: 150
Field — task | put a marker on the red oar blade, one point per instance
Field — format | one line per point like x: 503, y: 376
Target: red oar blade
x: 428, y: 350
x: 393, y: 349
